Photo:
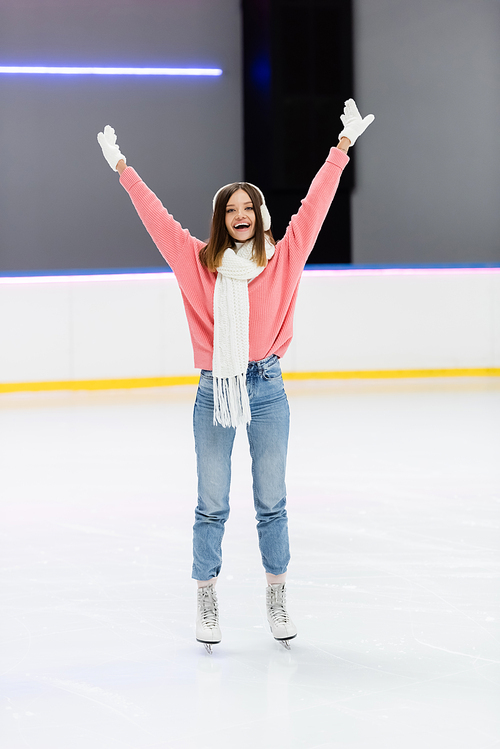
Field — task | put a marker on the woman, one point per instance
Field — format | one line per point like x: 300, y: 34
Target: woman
x: 239, y: 293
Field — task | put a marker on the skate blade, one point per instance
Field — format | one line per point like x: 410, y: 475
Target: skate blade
x: 208, y: 645
x: 285, y: 641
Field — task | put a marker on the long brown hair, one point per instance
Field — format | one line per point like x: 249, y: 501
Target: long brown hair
x: 220, y: 239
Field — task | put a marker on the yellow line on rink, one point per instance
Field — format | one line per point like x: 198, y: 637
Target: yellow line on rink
x: 154, y: 382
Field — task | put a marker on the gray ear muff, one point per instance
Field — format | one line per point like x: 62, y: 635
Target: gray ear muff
x: 266, y: 216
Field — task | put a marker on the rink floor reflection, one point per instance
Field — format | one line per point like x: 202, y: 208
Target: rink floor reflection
x: 394, y: 510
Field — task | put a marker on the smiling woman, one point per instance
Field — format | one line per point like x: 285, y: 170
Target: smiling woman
x: 239, y: 292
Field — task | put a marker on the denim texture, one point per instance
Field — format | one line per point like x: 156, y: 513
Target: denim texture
x: 268, y: 440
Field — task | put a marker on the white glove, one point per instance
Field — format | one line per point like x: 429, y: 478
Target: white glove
x: 107, y: 141
x: 352, y: 122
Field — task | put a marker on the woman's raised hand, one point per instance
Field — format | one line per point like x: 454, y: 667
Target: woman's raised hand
x: 353, y: 124
x: 110, y: 149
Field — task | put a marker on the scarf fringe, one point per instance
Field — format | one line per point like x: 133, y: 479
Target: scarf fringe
x: 231, y: 403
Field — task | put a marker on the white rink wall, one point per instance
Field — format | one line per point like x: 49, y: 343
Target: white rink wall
x: 397, y: 319
x: 63, y: 328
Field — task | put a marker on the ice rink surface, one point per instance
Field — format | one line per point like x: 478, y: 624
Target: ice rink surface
x: 394, y: 506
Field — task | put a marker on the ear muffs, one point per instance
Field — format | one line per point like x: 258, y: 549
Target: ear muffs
x: 266, y: 216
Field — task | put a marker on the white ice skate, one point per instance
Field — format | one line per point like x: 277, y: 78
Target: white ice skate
x: 282, y: 627
x: 207, y: 619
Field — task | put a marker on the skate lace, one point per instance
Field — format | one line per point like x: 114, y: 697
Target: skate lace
x: 277, y: 605
x: 209, y: 610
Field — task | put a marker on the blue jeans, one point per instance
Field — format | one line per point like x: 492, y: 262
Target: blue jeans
x: 268, y: 440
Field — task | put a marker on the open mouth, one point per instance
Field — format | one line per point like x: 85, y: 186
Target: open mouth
x: 241, y: 227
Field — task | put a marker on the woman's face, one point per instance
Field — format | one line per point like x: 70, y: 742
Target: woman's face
x: 240, y: 216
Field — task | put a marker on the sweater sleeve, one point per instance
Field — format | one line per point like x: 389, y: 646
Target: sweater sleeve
x: 167, y: 234
x: 305, y: 225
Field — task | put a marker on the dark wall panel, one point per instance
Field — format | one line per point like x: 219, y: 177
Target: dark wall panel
x: 297, y: 75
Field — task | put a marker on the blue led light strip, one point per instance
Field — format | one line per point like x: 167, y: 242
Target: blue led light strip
x: 50, y: 70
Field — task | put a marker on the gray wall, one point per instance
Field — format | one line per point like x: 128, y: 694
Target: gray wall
x: 428, y: 169
x: 60, y: 204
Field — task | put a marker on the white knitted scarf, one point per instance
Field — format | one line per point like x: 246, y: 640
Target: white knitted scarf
x: 231, y: 341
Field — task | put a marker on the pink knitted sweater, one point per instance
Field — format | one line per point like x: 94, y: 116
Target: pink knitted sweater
x: 272, y: 295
